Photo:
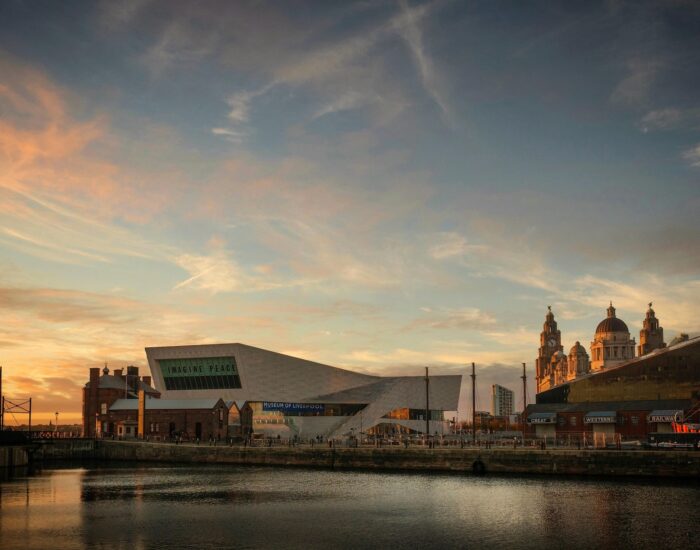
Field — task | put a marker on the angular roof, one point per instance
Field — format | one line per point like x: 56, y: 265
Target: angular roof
x: 444, y: 392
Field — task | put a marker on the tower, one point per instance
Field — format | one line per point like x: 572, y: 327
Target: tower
x: 578, y: 361
x: 550, y: 343
x: 611, y: 345
x: 651, y: 336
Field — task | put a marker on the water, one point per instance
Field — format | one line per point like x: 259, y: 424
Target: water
x: 236, y: 507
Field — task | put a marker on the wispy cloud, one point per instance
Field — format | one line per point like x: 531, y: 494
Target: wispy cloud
x: 635, y: 87
x: 452, y: 244
x: 234, y: 136
x: 348, y: 101
x: 239, y: 114
x: 410, y: 30
x: 325, y: 69
x: 692, y: 155
x: 469, y: 318
x: 180, y: 45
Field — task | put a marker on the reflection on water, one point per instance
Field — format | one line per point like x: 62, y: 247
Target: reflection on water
x: 219, y: 506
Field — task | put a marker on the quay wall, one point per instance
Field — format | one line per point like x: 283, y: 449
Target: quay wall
x: 14, y: 456
x: 656, y: 463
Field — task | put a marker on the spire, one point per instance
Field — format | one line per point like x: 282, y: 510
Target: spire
x: 105, y: 370
x: 611, y: 310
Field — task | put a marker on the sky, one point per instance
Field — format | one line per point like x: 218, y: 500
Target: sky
x: 379, y: 186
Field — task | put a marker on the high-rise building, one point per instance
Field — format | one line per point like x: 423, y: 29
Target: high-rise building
x: 501, y: 401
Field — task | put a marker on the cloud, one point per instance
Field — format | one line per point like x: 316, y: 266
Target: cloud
x: 213, y: 273
x: 327, y: 69
x: 469, y: 318
x: 660, y: 119
x: 635, y: 87
x: 345, y: 102
x: 179, y: 45
x: 119, y: 14
x: 234, y: 136
x: 412, y: 34
x: 218, y: 272
x: 692, y: 155
x: 239, y: 114
x: 670, y: 118
x: 452, y: 244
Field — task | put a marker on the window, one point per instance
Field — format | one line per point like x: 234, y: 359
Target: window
x: 103, y: 408
x: 572, y: 420
x: 204, y: 373
x: 635, y: 420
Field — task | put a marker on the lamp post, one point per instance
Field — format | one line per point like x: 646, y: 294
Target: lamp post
x: 56, y: 427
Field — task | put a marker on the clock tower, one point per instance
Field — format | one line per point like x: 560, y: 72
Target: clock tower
x: 550, y: 343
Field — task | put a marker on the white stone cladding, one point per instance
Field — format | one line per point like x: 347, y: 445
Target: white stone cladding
x: 267, y: 376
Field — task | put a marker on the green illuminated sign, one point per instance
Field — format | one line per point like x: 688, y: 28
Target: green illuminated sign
x: 200, y: 373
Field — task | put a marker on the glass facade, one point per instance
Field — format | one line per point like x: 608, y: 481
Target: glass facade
x: 200, y: 373
x: 414, y: 414
x: 305, y: 409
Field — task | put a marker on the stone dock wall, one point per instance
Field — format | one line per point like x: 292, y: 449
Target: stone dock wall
x: 670, y: 463
x: 14, y: 456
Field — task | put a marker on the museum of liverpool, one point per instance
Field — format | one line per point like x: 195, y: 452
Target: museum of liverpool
x: 278, y: 395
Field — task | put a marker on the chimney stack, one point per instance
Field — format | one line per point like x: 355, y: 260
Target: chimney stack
x: 118, y: 373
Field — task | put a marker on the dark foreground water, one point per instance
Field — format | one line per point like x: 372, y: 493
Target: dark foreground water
x: 233, y: 507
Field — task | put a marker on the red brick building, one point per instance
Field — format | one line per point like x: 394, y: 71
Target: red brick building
x: 111, y: 409
x: 188, y: 419
x: 104, y: 389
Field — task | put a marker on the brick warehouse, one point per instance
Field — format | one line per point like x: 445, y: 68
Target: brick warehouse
x: 111, y: 409
x: 189, y: 419
x: 103, y: 390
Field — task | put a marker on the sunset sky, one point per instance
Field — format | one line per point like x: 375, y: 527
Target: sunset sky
x: 378, y: 186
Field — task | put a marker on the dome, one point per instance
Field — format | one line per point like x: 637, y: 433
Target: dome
x: 577, y: 349
x: 611, y: 323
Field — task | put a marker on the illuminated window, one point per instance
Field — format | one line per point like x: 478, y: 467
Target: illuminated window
x: 103, y: 408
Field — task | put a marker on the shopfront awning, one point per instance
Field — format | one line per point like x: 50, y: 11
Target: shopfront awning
x: 600, y: 417
x: 665, y: 416
x: 542, y: 418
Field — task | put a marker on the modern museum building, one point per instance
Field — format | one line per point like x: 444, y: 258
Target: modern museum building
x: 275, y: 394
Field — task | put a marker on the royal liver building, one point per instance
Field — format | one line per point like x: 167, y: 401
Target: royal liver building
x: 611, y: 346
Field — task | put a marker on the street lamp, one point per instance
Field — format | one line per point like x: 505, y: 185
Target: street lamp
x: 56, y: 427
